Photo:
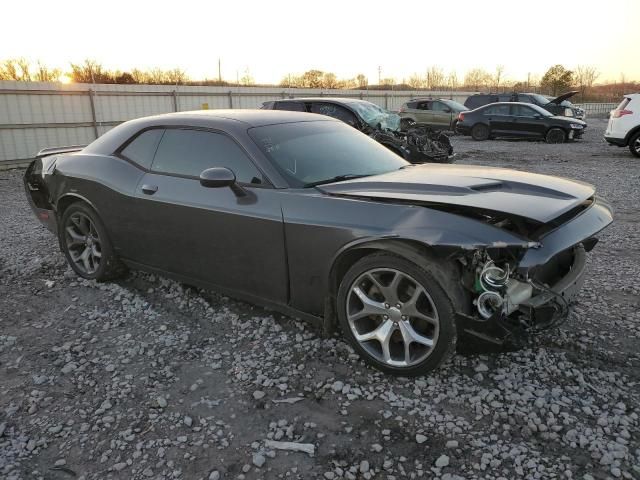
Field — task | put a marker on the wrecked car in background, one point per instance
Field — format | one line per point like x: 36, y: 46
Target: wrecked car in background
x: 306, y: 215
x: 414, y: 143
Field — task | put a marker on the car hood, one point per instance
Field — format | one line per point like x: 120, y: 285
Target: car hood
x: 569, y: 120
x: 563, y: 97
x: 540, y: 198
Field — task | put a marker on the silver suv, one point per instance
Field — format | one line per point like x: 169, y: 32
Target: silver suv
x: 438, y: 113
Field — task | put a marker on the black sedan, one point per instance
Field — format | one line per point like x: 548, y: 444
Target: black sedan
x: 518, y: 120
x: 304, y: 214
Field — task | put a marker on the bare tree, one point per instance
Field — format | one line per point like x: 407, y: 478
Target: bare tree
x: 477, y: 78
x: 416, y: 81
x: 452, y: 80
x: 362, y: 81
x: 178, y: 76
x: 435, y: 78
x: 585, y: 76
x: 15, y: 69
x: 329, y: 80
x: 46, y: 74
x: 90, y: 71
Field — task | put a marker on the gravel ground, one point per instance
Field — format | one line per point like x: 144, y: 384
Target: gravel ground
x: 148, y: 378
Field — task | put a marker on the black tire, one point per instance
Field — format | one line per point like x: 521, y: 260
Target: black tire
x: 634, y: 145
x: 428, y: 277
x: 77, y: 219
x: 556, y: 135
x: 480, y: 132
x: 454, y: 127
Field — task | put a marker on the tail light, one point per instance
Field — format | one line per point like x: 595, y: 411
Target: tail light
x: 621, y: 113
x: 460, y: 116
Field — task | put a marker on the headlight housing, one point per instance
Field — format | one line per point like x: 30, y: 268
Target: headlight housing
x: 577, y: 126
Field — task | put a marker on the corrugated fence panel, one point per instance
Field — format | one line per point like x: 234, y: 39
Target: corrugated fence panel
x: 110, y: 108
x: 23, y: 143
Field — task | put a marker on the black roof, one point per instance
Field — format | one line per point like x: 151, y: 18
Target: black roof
x: 253, y: 118
x: 339, y: 100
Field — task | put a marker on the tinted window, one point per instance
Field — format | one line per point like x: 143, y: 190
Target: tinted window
x: 424, y: 106
x: 524, y: 98
x: 308, y: 152
x: 496, y: 110
x: 142, y: 149
x: 291, y: 106
x: 523, y: 111
x: 439, y: 107
x: 335, y: 111
x: 189, y: 152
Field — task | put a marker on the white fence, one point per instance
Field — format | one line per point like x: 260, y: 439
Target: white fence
x: 36, y: 115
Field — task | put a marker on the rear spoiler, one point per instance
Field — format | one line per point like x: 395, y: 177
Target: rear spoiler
x: 45, y: 152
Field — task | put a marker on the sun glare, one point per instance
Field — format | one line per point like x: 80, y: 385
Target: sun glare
x: 64, y: 79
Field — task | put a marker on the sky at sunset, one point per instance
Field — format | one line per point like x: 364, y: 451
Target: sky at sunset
x: 273, y: 38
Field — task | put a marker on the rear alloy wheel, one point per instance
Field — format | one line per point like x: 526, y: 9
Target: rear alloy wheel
x: 634, y: 144
x: 396, y: 315
x: 480, y: 132
x: 556, y: 135
x: 454, y: 126
x: 84, y: 242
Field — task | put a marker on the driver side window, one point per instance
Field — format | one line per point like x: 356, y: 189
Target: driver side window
x: 189, y: 152
x: 335, y: 111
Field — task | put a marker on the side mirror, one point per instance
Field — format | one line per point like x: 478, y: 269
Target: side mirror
x: 447, y: 110
x: 217, y: 177
x: 537, y: 116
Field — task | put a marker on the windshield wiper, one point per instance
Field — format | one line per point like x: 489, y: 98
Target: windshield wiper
x: 338, y: 178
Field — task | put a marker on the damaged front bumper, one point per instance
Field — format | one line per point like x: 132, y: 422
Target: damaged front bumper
x: 536, y: 294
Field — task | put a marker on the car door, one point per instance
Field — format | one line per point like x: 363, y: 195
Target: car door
x: 231, y: 239
x: 499, y: 119
x: 527, y: 122
x: 441, y: 114
x: 424, y: 113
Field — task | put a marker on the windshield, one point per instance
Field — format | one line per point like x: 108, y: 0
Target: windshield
x: 375, y: 116
x: 311, y: 152
x: 539, y: 99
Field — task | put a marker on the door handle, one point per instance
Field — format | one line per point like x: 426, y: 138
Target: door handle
x: 149, y: 189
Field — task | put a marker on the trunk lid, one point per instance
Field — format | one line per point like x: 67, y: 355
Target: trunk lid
x: 558, y: 100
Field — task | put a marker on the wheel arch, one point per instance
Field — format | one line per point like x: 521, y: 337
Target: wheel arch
x: 449, y: 274
x: 629, y: 136
x: 65, y: 200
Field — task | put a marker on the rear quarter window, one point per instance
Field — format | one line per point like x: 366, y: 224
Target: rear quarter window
x: 142, y: 148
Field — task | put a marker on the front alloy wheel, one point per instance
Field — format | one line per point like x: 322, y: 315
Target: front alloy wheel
x: 396, y: 314
x: 392, y: 317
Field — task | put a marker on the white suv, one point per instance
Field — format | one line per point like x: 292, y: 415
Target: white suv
x: 624, y: 124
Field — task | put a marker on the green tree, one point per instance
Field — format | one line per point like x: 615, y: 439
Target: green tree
x: 557, y: 79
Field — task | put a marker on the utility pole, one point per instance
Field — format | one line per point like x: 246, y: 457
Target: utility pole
x: 379, y: 75
x: 219, y: 71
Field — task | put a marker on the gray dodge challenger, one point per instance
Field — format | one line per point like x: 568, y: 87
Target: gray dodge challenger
x: 305, y: 215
